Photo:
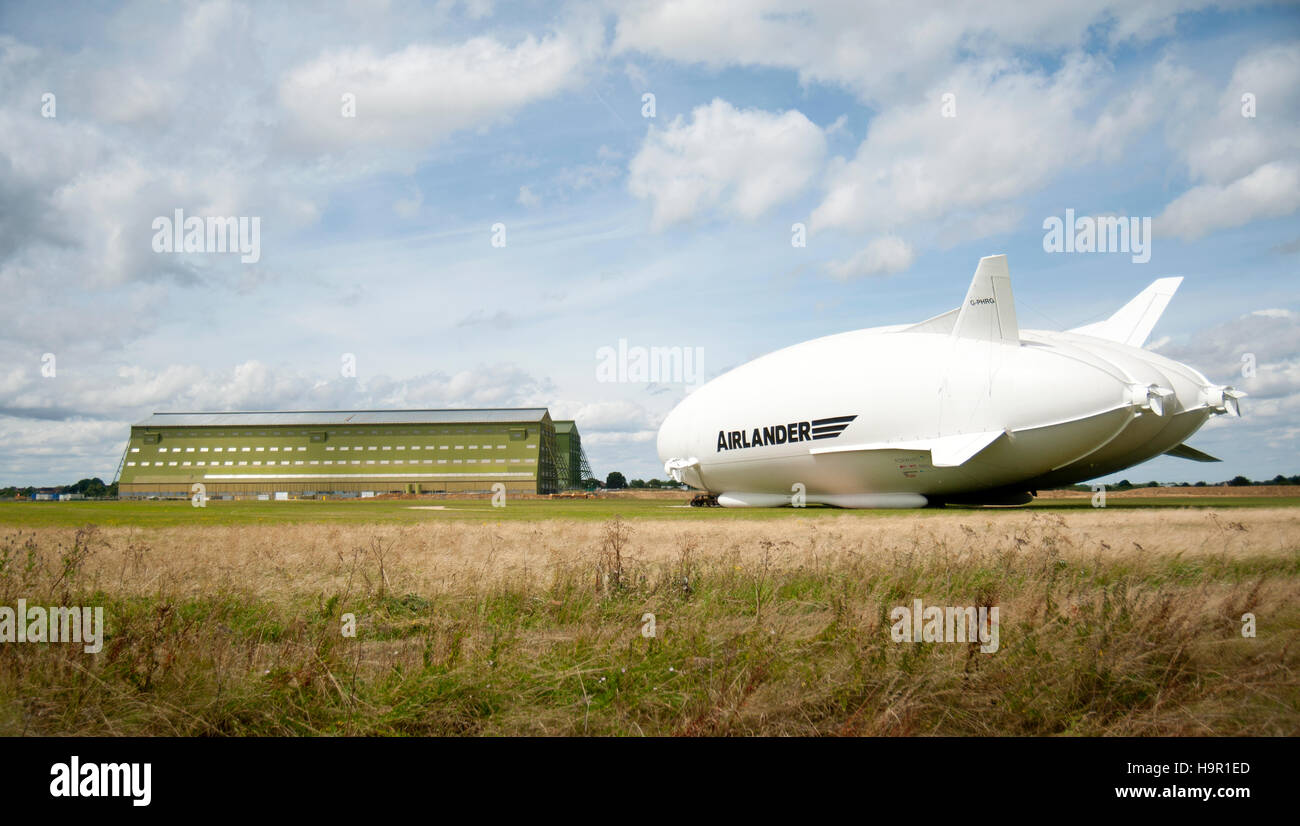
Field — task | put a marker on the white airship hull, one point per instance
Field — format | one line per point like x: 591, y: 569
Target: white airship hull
x: 965, y: 407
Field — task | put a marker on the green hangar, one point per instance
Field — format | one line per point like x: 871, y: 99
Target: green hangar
x: 574, y: 471
x: 352, y: 453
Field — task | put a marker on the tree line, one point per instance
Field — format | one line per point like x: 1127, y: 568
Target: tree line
x: 617, y: 481
x: 1234, y: 482
x: 93, y: 488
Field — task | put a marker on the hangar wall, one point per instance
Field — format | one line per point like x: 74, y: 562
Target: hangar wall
x: 571, y: 460
x: 342, y: 452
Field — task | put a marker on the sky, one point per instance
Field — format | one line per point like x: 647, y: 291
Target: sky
x: 470, y: 204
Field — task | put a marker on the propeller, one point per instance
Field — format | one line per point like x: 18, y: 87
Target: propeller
x: 1222, y: 398
x: 1151, y: 397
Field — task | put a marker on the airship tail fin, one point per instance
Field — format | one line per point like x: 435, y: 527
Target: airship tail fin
x: 1188, y: 452
x: 1133, y: 322
x: 989, y: 311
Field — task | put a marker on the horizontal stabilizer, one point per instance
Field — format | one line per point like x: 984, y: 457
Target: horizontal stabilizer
x: 942, y: 323
x: 945, y: 451
x: 1186, y: 452
x: 1133, y: 322
x: 989, y: 311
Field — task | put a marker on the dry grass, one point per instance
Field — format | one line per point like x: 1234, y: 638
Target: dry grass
x: 1112, y: 622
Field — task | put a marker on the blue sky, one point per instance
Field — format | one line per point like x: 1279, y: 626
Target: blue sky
x: 671, y: 230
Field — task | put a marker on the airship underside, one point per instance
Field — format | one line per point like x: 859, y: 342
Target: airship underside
x: 964, y: 407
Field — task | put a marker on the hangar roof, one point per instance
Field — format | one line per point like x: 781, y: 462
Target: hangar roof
x: 341, y: 417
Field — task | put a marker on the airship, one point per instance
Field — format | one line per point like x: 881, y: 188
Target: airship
x: 965, y: 408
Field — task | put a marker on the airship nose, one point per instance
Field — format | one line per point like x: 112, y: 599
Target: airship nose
x: 672, y: 436
x: 677, y: 450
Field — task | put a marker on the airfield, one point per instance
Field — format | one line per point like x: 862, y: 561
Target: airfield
x: 638, y: 615
x: 667, y: 506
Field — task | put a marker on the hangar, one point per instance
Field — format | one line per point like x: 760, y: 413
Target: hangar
x: 571, y: 459
x: 314, y: 452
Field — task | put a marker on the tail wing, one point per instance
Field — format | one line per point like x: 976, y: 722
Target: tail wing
x: 1188, y: 452
x: 989, y: 311
x: 1133, y: 322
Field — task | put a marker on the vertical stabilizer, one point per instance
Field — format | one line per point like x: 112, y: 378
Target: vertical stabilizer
x: 1133, y: 322
x: 989, y: 311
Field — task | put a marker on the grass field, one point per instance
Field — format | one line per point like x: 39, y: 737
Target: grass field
x: 531, y: 619
x: 663, y: 507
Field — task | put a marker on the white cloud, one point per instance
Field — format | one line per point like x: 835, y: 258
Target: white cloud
x: 420, y: 94
x: 744, y: 161
x: 1219, y: 144
x: 1270, y: 336
x: 1015, y: 130
x: 606, y: 439
x: 131, y: 392
x: 84, y: 187
x: 881, y: 257
x: 882, y: 51
x: 1271, y: 191
x: 994, y: 221
x: 607, y: 417
x: 1243, y: 168
x: 42, y: 452
x: 1271, y: 339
